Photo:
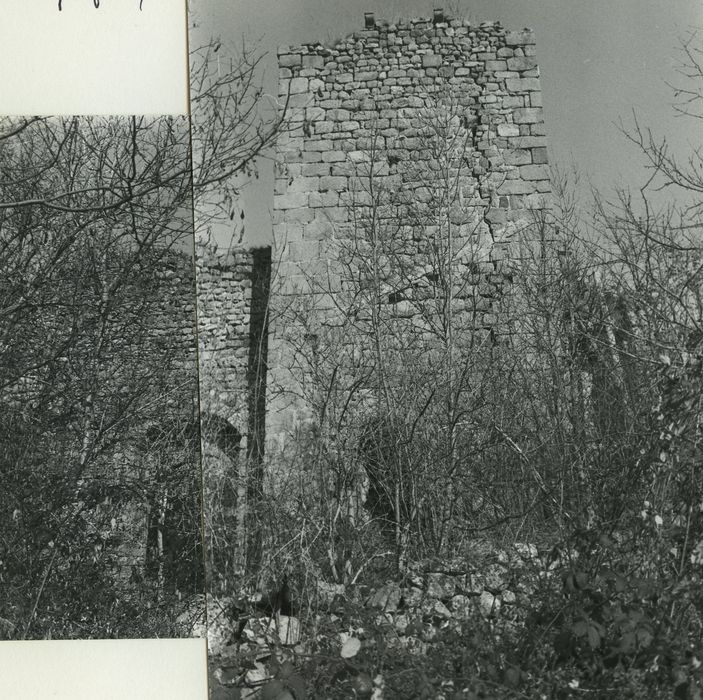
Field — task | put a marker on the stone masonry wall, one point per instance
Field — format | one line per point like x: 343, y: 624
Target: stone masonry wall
x: 224, y: 300
x: 171, y: 325
x: 427, y: 130
x: 232, y: 289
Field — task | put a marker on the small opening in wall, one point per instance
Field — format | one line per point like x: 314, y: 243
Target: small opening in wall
x: 438, y: 15
x: 369, y: 20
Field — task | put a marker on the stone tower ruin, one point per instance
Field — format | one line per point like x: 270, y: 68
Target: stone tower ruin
x: 426, y: 131
x: 418, y: 132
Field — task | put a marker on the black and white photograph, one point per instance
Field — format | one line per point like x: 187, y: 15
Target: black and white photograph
x: 101, y: 484
x: 358, y: 345
x: 450, y: 348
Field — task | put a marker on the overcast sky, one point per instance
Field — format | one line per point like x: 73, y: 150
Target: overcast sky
x: 599, y: 60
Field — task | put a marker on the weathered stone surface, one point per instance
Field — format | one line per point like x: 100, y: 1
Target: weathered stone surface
x: 290, y: 60
x: 301, y: 215
x: 517, y: 187
x: 313, y: 61
x: 508, y: 597
x: 494, y: 577
x: 463, y: 607
x: 519, y: 157
x: 514, y: 101
x: 401, y: 623
x: 257, y: 675
x: 298, y: 85
x: 327, y: 592
x: 334, y: 156
x: 387, y: 598
x: 534, y: 172
x: 412, y: 596
x: 434, y: 609
x: 440, y: 586
x: 323, y: 199
x: 528, y: 115
x: 301, y: 184
x: 290, y: 200
x: 522, y: 63
x: 336, y: 184
x: 431, y: 60
x: 489, y: 604
x: 508, y: 130
x: 528, y: 142
x: 286, y: 629
x: 522, y: 84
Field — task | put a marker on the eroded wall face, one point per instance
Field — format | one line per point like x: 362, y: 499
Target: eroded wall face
x: 224, y: 293
x: 419, y: 147
x: 169, y: 343
x: 224, y: 306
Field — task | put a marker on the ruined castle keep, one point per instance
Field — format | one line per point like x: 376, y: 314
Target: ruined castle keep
x: 415, y: 151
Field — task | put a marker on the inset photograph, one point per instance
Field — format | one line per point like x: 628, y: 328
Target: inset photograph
x: 100, y: 496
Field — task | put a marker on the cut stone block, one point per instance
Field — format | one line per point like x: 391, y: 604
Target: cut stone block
x: 528, y: 115
x: 288, y: 60
x: 522, y: 63
x: 522, y: 84
x: 431, y: 60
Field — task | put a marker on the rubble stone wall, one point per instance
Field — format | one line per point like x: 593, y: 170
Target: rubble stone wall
x: 418, y: 133
x: 224, y: 284
x: 232, y: 291
x: 171, y: 325
x: 403, y: 137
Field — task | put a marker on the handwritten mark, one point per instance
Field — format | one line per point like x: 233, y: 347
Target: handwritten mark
x: 96, y: 4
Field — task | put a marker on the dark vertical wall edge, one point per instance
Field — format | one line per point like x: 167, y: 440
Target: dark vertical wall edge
x: 258, y: 353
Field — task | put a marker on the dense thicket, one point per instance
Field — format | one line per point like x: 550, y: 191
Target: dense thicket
x: 100, y: 506
x: 571, y: 421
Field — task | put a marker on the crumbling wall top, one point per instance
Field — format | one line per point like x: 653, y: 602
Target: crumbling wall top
x: 415, y: 29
